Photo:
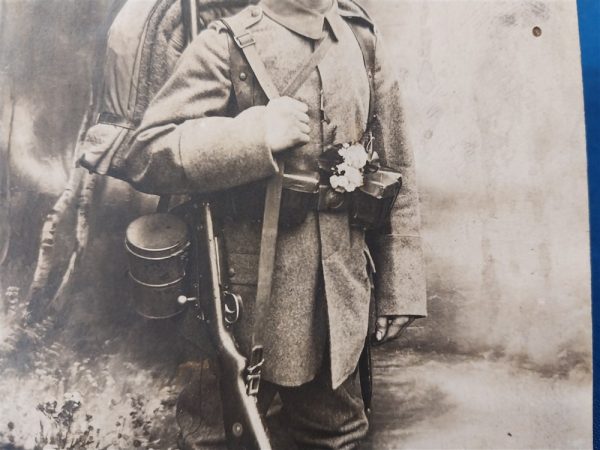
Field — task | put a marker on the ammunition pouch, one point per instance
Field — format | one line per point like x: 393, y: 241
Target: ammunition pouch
x: 297, y: 197
x: 372, y: 203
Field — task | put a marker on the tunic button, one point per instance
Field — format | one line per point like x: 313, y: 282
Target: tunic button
x: 231, y: 272
x: 243, y: 76
x: 255, y: 12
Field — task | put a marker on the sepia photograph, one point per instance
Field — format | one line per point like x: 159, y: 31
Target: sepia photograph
x: 293, y: 224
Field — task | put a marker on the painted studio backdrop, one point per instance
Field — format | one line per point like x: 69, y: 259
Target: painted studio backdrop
x: 494, y: 111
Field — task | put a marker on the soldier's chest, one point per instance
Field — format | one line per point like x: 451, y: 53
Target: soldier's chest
x: 337, y: 92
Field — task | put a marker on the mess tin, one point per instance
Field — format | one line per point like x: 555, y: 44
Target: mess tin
x: 157, y: 246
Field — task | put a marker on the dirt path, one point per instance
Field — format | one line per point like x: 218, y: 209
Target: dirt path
x: 428, y: 401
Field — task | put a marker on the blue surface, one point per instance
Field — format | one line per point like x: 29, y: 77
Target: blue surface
x: 589, y: 33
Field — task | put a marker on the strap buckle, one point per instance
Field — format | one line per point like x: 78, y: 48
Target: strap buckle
x: 244, y: 40
x: 253, y: 370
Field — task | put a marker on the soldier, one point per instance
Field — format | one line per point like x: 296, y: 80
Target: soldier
x: 212, y: 129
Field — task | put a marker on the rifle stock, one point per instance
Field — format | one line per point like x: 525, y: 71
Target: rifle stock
x: 244, y: 428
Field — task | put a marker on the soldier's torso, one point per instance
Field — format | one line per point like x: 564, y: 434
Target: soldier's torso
x: 337, y: 93
x: 305, y: 321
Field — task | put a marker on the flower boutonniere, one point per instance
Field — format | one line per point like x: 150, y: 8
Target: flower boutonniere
x: 346, y: 165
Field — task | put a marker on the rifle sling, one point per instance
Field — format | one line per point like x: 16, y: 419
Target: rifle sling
x: 245, y: 42
x: 266, y: 262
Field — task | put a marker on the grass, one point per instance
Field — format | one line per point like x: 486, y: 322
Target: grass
x: 53, y: 398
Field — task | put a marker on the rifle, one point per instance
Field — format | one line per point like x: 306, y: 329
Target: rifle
x: 218, y: 309
x: 239, y: 379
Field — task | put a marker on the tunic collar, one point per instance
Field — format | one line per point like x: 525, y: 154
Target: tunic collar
x: 296, y: 16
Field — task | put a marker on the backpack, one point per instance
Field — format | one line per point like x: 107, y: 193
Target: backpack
x: 144, y: 43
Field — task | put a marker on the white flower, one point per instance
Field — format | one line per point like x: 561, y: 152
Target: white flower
x: 339, y: 183
x: 354, y: 155
x: 348, y: 175
x: 355, y: 177
x: 347, y: 180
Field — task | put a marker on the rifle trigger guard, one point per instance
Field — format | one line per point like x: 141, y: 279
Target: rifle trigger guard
x: 253, y: 371
x: 232, y: 307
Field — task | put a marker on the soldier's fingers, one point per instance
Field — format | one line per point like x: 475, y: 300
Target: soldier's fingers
x: 301, y: 116
x: 381, y: 328
x: 302, y: 138
x: 304, y: 128
x: 396, y: 326
x: 297, y: 104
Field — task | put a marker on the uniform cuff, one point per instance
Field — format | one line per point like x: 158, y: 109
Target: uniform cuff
x: 400, y: 277
x: 219, y: 152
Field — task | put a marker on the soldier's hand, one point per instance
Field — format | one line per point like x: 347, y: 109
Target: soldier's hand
x: 286, y: 124
x: 391, y: 327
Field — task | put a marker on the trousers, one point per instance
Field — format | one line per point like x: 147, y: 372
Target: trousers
x: 310, y: 416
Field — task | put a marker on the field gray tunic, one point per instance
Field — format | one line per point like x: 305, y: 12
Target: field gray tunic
x: 193, y: 139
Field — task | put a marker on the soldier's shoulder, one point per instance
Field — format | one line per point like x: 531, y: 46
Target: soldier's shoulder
x: 245, y: 19
x: 355, y: 12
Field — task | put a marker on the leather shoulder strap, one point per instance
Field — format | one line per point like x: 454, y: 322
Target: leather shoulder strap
x: 351, y: 9
x: 367, y: 40
x: 266, y: 262
x: 238, y: 27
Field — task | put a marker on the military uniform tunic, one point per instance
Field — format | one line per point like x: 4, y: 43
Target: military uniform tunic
x: 194, y: 138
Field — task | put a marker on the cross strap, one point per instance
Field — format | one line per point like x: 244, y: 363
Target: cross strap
x: 311, y: 63
x: 247, y: 45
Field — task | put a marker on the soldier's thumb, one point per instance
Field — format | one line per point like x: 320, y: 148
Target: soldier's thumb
x: 381, y: 328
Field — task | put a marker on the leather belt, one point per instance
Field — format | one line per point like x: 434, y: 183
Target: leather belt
x: 248, y: 203
x: 325, y: 199
x: 320, y: 195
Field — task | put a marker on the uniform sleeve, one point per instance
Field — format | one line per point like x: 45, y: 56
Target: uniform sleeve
x: 399, y: 277
x: 187, y: 141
